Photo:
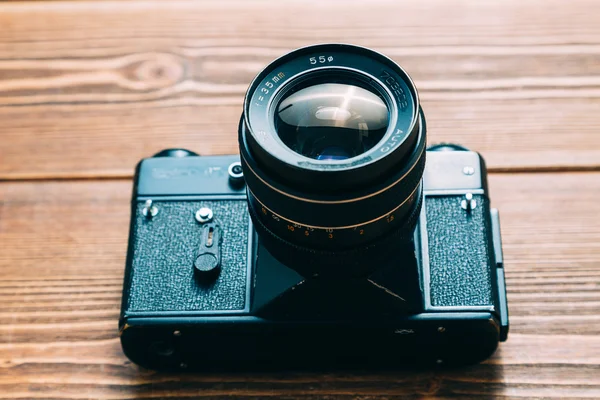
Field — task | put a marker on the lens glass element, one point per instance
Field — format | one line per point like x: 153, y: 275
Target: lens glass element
x: 331, y: 121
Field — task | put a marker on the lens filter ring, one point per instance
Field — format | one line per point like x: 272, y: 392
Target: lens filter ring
x: 333, y: 64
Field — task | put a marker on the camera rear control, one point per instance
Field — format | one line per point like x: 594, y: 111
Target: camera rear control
x: 149, y: 209
x: 236, y: 174
x: 204, y: 215
x: 179, y: 153
x: 207, y: 263
x: 468, y: 203
x: 496, y: 238
x: 468, y: 170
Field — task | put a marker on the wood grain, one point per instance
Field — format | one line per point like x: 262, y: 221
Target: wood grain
x: 518, y: 81
x: 61, y: 267
x: 88, y: 88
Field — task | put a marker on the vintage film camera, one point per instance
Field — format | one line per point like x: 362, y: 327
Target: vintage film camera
x: 328, y: 241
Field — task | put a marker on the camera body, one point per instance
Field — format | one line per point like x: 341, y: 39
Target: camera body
x: 202, y: 292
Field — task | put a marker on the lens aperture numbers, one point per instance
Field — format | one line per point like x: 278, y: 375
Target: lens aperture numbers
x: 321, y: 236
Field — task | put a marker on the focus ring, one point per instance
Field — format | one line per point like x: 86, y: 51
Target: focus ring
x: 352, y: 209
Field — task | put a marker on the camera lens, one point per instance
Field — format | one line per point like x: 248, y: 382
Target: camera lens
x: 332, y: 144
x: 330, y: 120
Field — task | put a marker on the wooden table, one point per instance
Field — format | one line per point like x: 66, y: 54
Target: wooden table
x: 88, y: 88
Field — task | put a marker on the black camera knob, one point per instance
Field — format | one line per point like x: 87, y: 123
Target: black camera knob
x: 447, y: 147
x: 207, y: 264
x: 236, y: 174
x: 175, y: 153
x: 207, y: 267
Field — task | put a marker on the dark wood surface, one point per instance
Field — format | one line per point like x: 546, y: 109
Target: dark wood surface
x: 88, y: 88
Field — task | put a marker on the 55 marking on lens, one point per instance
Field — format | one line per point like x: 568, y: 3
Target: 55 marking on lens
x: 320, y: 60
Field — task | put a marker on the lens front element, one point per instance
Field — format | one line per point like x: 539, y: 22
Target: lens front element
x: 331, y: 121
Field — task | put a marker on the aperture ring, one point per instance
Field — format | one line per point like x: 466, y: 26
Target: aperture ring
x: 416, y: 192
x: 357, y: 261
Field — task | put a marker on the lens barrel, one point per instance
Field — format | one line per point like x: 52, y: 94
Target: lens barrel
x: 332, y: 144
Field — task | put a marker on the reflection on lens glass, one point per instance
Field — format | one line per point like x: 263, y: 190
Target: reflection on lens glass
x: 331, y: 121
x: 333, y: 153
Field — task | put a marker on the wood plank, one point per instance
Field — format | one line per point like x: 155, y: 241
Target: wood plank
x: 527, y: 365
x: 517, y: 81
x: 85, y: 93
x: 61, y: 265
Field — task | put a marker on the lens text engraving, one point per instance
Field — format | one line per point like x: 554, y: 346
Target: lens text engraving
x: 320, y: 60
x: 396, y: 89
